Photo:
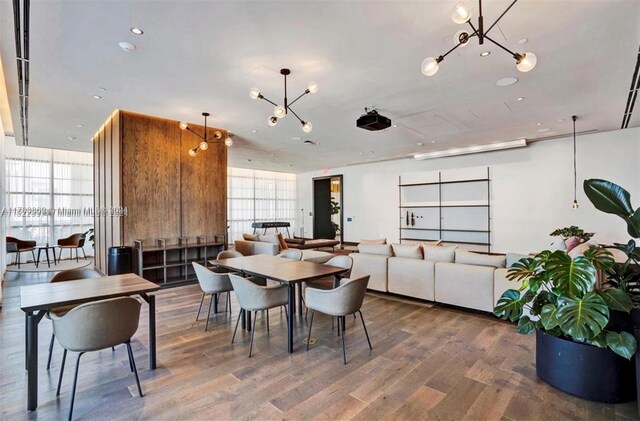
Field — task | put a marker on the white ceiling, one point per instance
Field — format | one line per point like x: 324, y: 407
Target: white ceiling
x: 199, y: 56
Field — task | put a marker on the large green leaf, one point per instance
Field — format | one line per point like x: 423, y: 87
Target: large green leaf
x: 623, y: 344
x: 599, y: 341
x: 543, y: 298
x: 549, y: 316
x: 571, y: 277
x: 526, y: 326
x: 582, y: 318
x: 599, y: 257
x: 610, y: 198
x: 616, y: 299
x: 509, y: 306
x: 523, y: 269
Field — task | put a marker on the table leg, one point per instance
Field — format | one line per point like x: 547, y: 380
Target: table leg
x: 248, y: 316
x: 244, y: 319
x: 46, y: 252
x: 215, y: 305
x: 53, y: 251
x: 152, y: 332
x: 32, y: 361
x: 292, y: 300
x: 38, y: 258
x: 300, y: 299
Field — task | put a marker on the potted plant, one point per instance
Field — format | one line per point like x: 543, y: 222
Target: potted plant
x: 89, y: 232
x: 335, y: 209
x: 572, y: 231
x: 578, y: 350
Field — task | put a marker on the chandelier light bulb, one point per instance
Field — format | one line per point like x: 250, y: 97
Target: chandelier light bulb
x: 527, y: 62
x: 458, y: 37
x: 313, y: 87
x: 228, y: 141
x: 575, y: 204
x: 272, y: 121
x: 461, y: 12
x: 217, y: 135
x: 183, y: 125
x: 279, y: 111
x: 192, y: 152
x: 254, y: 93
x: 204, y: 145
x: 430, y: 66
x: 307, y: 127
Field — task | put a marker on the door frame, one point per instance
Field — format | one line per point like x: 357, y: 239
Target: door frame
x: 313, y: 200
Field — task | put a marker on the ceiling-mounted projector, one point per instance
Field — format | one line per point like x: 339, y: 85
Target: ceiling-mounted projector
x: 373, y: 121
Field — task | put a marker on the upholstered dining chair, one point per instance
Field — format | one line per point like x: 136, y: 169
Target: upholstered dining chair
x: 339, y: 302
x: 328, y: 282
x: 67, y: 275
x: 293, y: 254
x: 74, y: 241
x: 212, y: 283
x: 229, y: 254
x: 94, y: 326
x: 17, y: 246
x: 252, y: 298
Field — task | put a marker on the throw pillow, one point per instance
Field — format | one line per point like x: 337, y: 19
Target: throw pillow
x: 571, y: 242
x: 251, y: 237
x: 470, y: 258
x: 283, y: 244
x: 407, y: 250
x: 380, y: 249
x: 374, y: 241
x: 439, y: 253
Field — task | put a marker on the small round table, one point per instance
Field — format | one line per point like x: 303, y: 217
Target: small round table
x: 46, y: 249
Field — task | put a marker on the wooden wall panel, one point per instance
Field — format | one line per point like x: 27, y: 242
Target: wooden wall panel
x: 116, y: 178
x: 150, y: 177
x: 108, y: 178
x: 203, y: 186
x: 101, y: 224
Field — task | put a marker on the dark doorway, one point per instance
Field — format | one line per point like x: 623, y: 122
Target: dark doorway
x: 327, y: 207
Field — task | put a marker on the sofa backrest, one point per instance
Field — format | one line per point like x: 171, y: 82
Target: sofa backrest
x: 470, y: 258
x: 249, y: 248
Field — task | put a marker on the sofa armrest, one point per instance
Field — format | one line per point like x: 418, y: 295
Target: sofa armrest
x: 243, y: 246
x: 271, y: 249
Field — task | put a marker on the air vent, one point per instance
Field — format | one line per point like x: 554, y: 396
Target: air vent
x: 633, y: 94
x: 21, y: 30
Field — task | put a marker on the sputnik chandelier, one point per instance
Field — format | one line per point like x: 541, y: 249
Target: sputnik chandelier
x: 204, y: 144
x: 462, y: 13
x: 281, y: 111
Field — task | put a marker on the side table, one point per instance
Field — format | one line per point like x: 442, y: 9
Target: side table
x: 46, y: 249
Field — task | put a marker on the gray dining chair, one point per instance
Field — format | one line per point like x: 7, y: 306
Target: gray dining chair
x: 67, y: 275
x: 339, y: 302
x: 229, y: 254
x: 212, y: 283
x: 94, y: 326
x: 293, y: 254
x: 328, y: 282
x: 253, y: 298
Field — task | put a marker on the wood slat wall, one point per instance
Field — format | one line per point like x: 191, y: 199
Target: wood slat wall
x: 142, y: 163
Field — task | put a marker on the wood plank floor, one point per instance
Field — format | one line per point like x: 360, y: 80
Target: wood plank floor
x: 428, y: 362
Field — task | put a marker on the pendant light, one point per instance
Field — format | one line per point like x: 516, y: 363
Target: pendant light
x: 203, y: 145
x: 575, y: 173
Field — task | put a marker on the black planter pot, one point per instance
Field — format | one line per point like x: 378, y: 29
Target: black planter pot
x: 585, y: 371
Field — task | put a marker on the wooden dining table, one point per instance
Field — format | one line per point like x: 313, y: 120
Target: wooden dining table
x: 286, y: 271
x: 36, y: 300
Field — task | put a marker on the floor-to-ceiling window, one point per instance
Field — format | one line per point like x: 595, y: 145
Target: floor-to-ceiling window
x: 259, y: 196
x: 49, y: 194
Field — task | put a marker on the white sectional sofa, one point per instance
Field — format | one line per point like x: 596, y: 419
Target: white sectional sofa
x: 269, y: 244
x: 441, y: 274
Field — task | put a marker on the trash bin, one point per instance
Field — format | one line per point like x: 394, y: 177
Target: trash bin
x: 120, y: 260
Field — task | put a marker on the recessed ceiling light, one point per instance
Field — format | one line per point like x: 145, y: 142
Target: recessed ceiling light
x: 561, y: 119
x: 543, y: 130
x: 80, y: 125
x: 395, y: 125
x: 97, y: 97
x: 433, y: 141
x: 420, y: 144
x: 539, y: 123
x: 523, y: 40
x: 102, y: 89
x: 485, y: 53
x: 507, y: 81
x: 254, y: 131
x: 137, y: 31
x: 126, y: 46
x: 520, y: 98
x: 551, y: 133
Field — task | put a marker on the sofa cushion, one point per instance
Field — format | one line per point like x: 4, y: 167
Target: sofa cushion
x: 407, y: 250
x: 463, y: 285
x: 373, y: 265
x: 439, y: 253
x: 470, y: 258
x: 251, y: 237
x: 411, y: 277
x: 374, y: 241
x: 379, y: 249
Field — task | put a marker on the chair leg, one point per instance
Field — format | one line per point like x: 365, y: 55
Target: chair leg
x: 64, y: 359
x: 75, y: 383
x: 240, y: 313
x: 59, y: 255
x: 34, y: 256
x: 18, y: 259
x: 53, y: 336
x: 206, y: 326
x: 340, y: 326
x: 267, y: 320
x: 84, y: 254
x: 253, y: 331
x: 365, y: 328
x: 132, y: 361
x: 200, y: 307
x: 310, y: 324
x: 76, y: 255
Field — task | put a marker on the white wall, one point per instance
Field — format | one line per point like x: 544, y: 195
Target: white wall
x: 531, y: 190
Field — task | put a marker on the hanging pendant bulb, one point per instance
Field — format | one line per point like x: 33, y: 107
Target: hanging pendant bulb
x: 307, y: 127
x: 228, y: 141
x: 526, y: 62
x: 192, y: 152
x: 254, y: 93
x: 312, y: 87
x: 183, y: 125
x: 430, y: 66
x: 204, y: 145
x: 461, y: 12
x: 279, y: 111
x: 575, y: 204
x: 272, y: 121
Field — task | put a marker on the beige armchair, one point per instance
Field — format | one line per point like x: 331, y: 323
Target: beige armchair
x: 212, y: 283
x: 74, y: 241
x: 339, y: 302
x: 67, y: 275
x: 252, y: 298
x: 94, y: 326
